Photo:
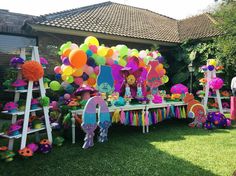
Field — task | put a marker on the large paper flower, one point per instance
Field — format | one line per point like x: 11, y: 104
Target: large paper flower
x: 131, y: 74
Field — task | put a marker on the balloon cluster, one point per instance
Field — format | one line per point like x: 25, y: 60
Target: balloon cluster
x: 80, y: 63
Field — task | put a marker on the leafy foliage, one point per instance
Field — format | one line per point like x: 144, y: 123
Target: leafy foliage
x: 191, y: 51
x: 226, y: 18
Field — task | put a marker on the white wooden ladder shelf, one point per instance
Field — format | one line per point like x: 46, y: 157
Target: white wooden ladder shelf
x: 26, y: 113
x: 209, y: 76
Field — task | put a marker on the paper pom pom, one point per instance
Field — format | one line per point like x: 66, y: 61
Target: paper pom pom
x: 32, y: 71
x: 216, y: 83
x: 44, y: 101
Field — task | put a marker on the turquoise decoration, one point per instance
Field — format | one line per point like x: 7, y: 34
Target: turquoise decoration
x: 139, y: 91
x: 105, y: 81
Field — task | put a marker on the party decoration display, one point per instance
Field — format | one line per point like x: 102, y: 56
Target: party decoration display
x: 154, y: 78
x: 7, y: 156
x: 43, y: 61
x: 17, y: 62
x: 90, y: 123
x: 45, y: 146
x: 11, y: 107
x: 19, y: 84
x: 216, y: 120
x: 32, y: 70
x: 105, y: 81
x: 179, y: 89
x: 195, y: 110
x: 26, y: 152
x: 58, y: 141
x: 34, y: 103
x: 91, y: 64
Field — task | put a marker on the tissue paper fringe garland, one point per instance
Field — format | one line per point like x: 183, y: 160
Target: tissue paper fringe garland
x: 140, y: 118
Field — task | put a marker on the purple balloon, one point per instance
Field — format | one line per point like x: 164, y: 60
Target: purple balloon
x: 66, y: 61
x: 211, y: 67
x: 160, y: 59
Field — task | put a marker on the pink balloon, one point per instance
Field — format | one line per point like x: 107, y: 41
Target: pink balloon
x: 96, y: 70
x: 57, y: 69
x: 89, y: 70
x: 110, y: 61
x: 78, y: 81
x: 54, y: 105
x: 67, y: 96
x: 74, y: 46
x: 93, y: 48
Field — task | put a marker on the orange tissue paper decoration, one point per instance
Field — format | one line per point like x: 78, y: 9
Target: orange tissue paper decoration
x: 32, y: 70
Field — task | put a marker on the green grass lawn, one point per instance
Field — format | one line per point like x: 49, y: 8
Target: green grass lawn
x: 171, y: 148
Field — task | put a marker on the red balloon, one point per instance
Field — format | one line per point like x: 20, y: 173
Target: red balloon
x: 78, y: 58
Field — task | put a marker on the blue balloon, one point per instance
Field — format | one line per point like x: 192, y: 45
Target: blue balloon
x: 91, y: 62
x: 116, y: 62
x: 85, y: 76
x: 58, y: 76
x: 69, y: 89
x: 89, y: 53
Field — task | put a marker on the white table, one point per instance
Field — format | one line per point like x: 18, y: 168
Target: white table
x: 143, y: 107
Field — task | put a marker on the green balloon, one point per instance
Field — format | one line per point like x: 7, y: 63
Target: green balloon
x: 100, y: 60
x: 165, y: 79
x: 84, y: 47
x: 123, y: 49
x: 149, y: 58
x: 55, y: 85
x: 70, y: 79
x: 145, y: 60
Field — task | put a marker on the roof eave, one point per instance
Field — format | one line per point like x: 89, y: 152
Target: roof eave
x: 59, y: 30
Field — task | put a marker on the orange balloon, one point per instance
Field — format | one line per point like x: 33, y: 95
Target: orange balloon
x: 110, y: 53
x: 78, y: 58
x: 91, y: 81
x: 66, y: 52
x: 141, y: 63
x: 77, y: 72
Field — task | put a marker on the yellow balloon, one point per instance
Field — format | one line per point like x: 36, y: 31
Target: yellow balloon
x: 122, y: 62
x: 77, y: 72
x: 67, y: 70
x: 64, y: 77
x: 212, y: 62
x: 91, y: 41
x: 102, y: 51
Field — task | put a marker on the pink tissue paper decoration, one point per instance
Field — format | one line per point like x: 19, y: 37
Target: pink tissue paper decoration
x: 216, y: 83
